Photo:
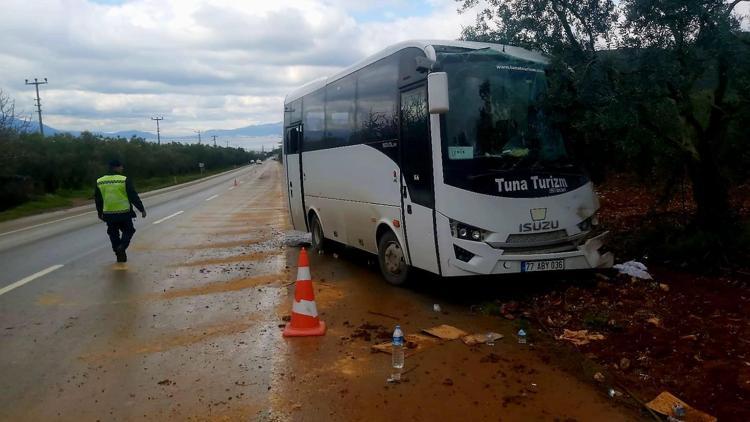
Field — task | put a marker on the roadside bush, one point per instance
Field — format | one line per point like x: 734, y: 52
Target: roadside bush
x: 33, y: 165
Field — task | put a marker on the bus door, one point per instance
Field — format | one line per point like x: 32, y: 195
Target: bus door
x: 293, y: 159
x: 418, y: 188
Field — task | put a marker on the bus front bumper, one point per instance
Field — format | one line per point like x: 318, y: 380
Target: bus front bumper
x: 488, y: 260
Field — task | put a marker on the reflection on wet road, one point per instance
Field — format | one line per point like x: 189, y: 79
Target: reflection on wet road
x: 186, y: 327
x: 190, y: 329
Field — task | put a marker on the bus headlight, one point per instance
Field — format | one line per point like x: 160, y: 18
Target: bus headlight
x: 467, y: 232
x: 589, y: 223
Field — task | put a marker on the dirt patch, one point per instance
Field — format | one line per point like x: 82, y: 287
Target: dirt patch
x: 223, y: 287
x: 163, y: 343
x: 682, y: 333
x: 229, y: 244
x: 254, y: 256
x: 49, y: 299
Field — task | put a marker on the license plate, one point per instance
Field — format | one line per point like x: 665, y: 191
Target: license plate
x: 547, y: 265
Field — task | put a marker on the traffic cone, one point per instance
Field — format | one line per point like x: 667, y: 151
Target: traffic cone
x: 305, y: 321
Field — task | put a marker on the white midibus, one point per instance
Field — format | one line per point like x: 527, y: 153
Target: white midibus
x: 437, y: 155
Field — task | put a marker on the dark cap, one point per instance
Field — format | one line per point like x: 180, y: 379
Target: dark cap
x: 114, y: 164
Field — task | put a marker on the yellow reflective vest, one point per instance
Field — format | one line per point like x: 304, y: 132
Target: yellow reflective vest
x: 114, y: 194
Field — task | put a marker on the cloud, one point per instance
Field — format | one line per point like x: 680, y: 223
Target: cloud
x: 202, y: 64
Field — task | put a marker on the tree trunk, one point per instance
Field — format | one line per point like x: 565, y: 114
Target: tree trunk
x: 710, y: 190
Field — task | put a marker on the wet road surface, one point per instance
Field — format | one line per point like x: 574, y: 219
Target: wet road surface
x: 189, y: 329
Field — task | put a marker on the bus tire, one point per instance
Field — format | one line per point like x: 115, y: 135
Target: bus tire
x: 391, y: 258
x: 318, y: 241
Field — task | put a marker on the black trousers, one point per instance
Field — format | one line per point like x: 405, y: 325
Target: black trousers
x: 113, y: 230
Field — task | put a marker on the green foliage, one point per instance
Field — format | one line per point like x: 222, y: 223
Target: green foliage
x: 688, y: 246
x: 32, y: 166
x: 555, y: 27
x: 654, y: 87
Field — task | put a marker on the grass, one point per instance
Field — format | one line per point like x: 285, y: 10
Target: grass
x: 71, y: 198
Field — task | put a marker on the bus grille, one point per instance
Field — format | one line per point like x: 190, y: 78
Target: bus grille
x: 536, y: 243
x: 537, y: 238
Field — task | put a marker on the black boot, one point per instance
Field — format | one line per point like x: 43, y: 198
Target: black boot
x: 120, y: 254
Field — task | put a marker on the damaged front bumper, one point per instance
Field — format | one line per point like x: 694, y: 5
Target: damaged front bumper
x: 488, y: 260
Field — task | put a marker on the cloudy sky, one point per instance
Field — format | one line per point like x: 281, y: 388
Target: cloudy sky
x: 202, y: 64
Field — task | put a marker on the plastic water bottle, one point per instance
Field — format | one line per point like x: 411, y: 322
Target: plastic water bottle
x: 521, y: 336
x: 397, y: 358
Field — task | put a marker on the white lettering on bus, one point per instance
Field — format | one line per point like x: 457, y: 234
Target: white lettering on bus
x: 511, y: 185
x: 550, y: 182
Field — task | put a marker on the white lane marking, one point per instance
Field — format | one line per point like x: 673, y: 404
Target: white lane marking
x: 211, y: 197
x: 47, y: 223
x: 168, y: 217
x: 32, y: 277
x: 91, y: 212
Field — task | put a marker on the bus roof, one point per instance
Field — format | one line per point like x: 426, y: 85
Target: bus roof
x: 424, y: 45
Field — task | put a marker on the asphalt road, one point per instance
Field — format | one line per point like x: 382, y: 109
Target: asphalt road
x: 74, y: 324
x: 42, y: 246
x: 190, y: 327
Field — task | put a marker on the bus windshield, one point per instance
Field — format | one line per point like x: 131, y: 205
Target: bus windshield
x: 495, y: 113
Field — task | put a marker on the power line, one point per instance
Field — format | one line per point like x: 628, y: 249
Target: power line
x: 214, y: 136
x: 38, y: 101
x: 158, y: 135
x: 199, y: 136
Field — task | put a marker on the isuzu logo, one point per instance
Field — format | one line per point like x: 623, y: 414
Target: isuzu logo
x: 538, y: 214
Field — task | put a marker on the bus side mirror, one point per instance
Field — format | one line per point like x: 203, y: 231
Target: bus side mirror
x: 437, y: 91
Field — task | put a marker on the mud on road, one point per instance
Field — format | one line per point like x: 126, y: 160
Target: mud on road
x: 191, y: 328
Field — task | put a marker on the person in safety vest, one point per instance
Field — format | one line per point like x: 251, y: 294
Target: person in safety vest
x: 115, y: 197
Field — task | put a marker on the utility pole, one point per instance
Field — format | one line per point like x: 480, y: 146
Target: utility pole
x: 158, y: 135
x: 199, y: 136
x: 227, y: 143
x: 214, y: 136
x: 38, y: 101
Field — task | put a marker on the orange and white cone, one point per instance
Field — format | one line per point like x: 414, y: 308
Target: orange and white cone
x: 305, y: 321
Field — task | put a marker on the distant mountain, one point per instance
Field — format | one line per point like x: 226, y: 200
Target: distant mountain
x: 127, y: 134
x: 33, y: 126
x: 266, y: 129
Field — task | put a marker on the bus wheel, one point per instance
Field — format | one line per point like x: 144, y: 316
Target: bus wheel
x: 318, y: 240
x: 391, y: 258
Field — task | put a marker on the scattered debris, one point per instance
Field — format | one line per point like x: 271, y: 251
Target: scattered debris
x: 664, y: 287
x: 580, y: 337
x: 448, y: 382
x: 612, y: 393
x: 559, y: 322
x: 656, y: 322
x: 692, y: 337
x: 383, y: 315
x: 599, y: 377
x: 415, y: 343
x: 473, y: 339
x: 624, y: 363
x: 665, y: 404
x: 436, y: 308
x: 634, y: 269
x: 166, y: 382
x: 446, y: 332
x: 490, y: 358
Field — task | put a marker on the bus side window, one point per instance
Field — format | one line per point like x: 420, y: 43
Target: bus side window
x: 292, y: 140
